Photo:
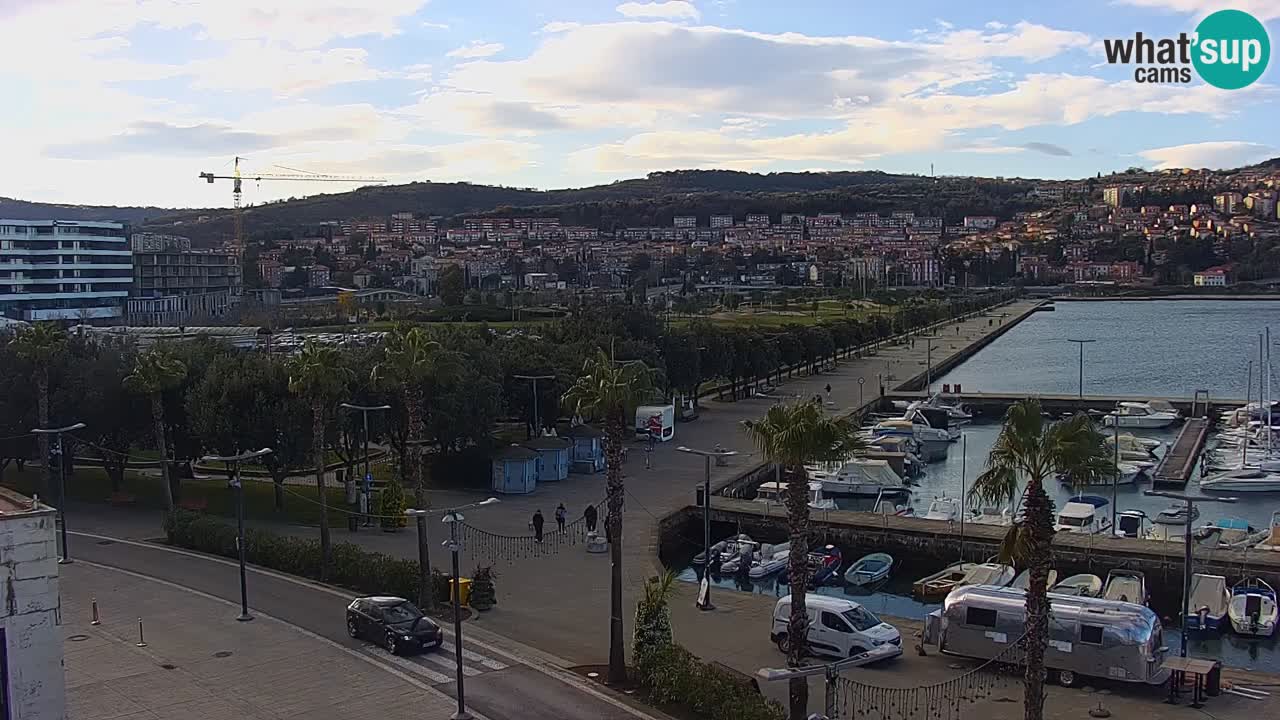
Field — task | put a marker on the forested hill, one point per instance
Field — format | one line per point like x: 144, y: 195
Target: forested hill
x: 24, y: 210
x: 652, y: 200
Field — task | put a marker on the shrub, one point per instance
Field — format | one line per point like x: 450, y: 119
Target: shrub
x: 675, y: 676
x: 352, y: 567
x: 483, y: 594
x: 391, y: 506
x: 653, y: 620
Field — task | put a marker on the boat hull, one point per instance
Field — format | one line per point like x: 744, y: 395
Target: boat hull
x: 1145, y: 423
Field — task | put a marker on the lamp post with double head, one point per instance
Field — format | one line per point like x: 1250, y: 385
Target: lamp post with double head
x: 454, y: 516
x: 1190, y: 501
x: 62, y: 479
x: 364, y: 411
x: 1081, y: 343
x: 704, y: 602
x: 232, y: 463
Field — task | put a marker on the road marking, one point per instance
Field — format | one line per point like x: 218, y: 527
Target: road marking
x: 448, y: 664
x: 410, y: 666
x: 474, y: 657
x: 303, y: 631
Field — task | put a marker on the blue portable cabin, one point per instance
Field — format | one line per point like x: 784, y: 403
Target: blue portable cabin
x: 554, y: 452
x: 515, y: 470
x: 587, y: 453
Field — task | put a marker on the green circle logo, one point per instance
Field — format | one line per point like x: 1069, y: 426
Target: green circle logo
x: 1232, y: 49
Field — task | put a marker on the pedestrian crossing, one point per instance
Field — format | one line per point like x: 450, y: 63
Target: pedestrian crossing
x: 437, y: 666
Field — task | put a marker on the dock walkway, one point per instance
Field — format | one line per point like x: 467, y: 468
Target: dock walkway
x: 1176, y: 467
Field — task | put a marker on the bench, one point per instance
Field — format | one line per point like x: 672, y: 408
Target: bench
x: 122, y: 498
x: 194, y: 504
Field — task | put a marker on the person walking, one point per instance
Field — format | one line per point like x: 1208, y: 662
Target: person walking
x: 537, y: 526
x: 590, y: 516
x: 561, y: 514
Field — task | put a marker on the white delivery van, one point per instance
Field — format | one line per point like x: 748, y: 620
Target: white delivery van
x: 837, y: 627
x: 660, y: 419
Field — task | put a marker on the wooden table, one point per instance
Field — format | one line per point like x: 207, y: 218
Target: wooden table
x: 1180, y: 667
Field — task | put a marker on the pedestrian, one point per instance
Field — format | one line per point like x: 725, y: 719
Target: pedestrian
x: 561, y: 513
x: 590, y: 516
x: 537, y: 525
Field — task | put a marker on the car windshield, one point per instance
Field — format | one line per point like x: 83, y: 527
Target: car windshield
x: 402, y: 612
x: 861, y: 618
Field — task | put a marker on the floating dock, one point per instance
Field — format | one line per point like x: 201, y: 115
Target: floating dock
x: 1177, y: 465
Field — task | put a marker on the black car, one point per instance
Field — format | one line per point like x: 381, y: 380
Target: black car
x: 394, y: 623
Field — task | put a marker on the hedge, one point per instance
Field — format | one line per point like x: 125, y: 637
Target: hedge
x: 352, y: 566
x: 673, y: 675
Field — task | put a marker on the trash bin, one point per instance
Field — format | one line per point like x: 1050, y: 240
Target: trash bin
x: 1213, y: 681
x: 698, y: 499
x: 465, y: 595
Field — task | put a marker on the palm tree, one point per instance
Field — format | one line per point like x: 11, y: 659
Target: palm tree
x: 318, y: 375
x: 156, y: 371
x: 410, y: 363
x: 1032, y: 450
x: 609, y: 390
x: 39, y: 345
x: 790, y: 436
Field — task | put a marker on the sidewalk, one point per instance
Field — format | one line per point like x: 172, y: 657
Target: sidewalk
x: 560, y: 602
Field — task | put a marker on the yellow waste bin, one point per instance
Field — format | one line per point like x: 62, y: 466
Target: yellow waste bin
x: 465, y: 597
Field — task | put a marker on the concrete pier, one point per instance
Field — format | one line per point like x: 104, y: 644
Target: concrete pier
x: 1176, y: 466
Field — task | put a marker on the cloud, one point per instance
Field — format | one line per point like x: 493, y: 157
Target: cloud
x: 435, y: 25
x: 251, y: 66
x: 671, y: 10
x: 1047, y: 149
x: 479, y: 114
x: 154, y: 137
x: 995, y: 25
x: 1262, y: 9
x: 476, y: 49
x: 1215, y: 154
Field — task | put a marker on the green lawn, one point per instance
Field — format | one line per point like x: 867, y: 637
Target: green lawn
x: 797, y: 313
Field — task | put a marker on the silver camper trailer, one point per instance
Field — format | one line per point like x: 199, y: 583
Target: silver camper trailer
x: 1088, y: 637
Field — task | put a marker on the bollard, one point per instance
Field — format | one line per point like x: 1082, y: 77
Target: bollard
x: 94, y: 620
x: 141, y: 642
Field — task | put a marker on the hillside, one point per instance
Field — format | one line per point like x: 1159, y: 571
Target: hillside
x: 24, y: 210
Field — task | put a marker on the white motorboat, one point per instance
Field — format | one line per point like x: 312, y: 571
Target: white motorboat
x: 956, y: 411
x: 1133, y: 448
x: 990, y: 516
x: 1126, y: 474
x: 943, y: 508
x: 931, y: 442
x: 1272, y: 540
x: 1083, y: 585
x: 1242, y: 480
x: 858, y: 477
x: 989, y: 573
x: 869, y: 570
x: 1228, y: 533
x: 1147, y: 415
x: 773, y: 492
x: 1209, y: 600
x: 1176, y: 515
x: 726, y: 550
x: 1132, y: 524
x: 767, y: 560
x: 1083, y: 515
x: 1023, y: 581
x: 1252, y: 609
x: 1126, y: 586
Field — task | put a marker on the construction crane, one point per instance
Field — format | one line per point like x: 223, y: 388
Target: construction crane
x: 236, y: 191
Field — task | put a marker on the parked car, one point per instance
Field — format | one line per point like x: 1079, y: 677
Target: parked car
x: 392, y: 622
x: 837, y: 627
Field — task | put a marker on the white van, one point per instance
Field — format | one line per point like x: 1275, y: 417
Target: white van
x: 660, y: 420
x: 837, y: 627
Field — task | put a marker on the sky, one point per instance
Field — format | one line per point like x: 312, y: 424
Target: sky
x: 127, y: 101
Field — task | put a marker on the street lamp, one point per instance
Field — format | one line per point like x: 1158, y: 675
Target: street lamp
x: 364, y: 410
x: 537, y: 419
x: 62, y: 479
x: 233, y: 479
x: 1081, y: 343
x: 928, y: 363
x: 453, y: 516
x: 1190, y: 501
x: 704, y: 602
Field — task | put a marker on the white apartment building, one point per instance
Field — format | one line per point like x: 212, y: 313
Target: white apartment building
x: 31, y: 674
x: 69, y: 270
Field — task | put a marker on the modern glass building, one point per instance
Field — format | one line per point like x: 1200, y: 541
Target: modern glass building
x: 70, y: 270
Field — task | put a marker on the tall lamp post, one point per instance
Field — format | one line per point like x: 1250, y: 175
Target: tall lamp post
x: 364, y: 410
x: 537, y: 419
x: 233, y: 479
x: 1190, y: 501
x: 62, y: 479
x: 928, y: 363
x: 1081, y: 343
x: 704, y: 603
x: 453, y: 516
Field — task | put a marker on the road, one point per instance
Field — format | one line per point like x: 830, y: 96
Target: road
x: 503, y: 680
